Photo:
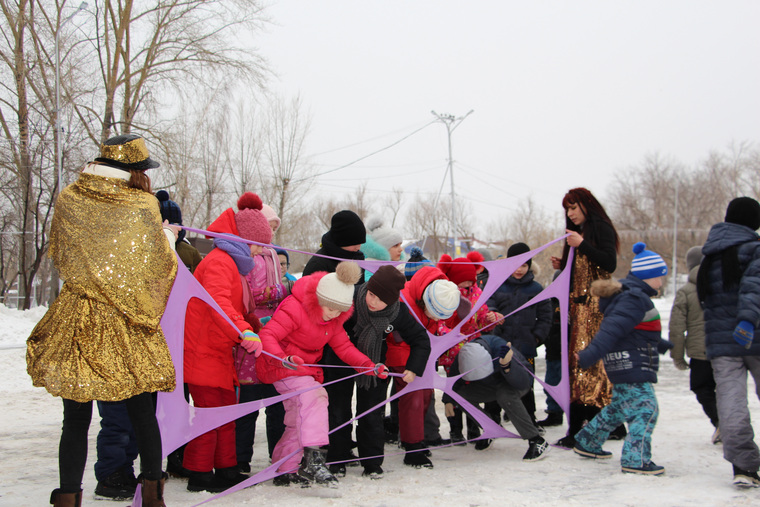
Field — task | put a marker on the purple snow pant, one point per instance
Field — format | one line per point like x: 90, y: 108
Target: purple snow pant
x: 736, y: 432
x: 306, y: 420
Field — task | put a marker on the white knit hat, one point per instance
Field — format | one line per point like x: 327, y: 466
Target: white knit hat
x: 336, y: 290
x: 383, y: 236
x: 441, y: 298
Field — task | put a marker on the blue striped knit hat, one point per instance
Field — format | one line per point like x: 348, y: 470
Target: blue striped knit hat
x: 647, y: 264
x: 416, y: 262
x: 441, y: 299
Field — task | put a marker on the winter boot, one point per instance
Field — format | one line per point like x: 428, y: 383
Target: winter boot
x: 120, y: 485
x: 552, y: 419
x: 205, y: 481
x: 314, y: 469
x: 174, y: 464
x: 415, y: 457
x: 229, y: 476
x: 288, y: 479
x: 153, y: 491
x: 59, y: 499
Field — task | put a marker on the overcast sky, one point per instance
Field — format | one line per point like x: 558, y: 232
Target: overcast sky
x: 563, y: 93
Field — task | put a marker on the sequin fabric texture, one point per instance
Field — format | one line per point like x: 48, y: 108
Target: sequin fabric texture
x: 587, y: 386
x: 101, y: 338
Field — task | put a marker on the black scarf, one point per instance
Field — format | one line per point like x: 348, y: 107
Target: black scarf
x: 370, y: 330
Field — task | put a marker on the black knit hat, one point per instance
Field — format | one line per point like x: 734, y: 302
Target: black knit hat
x: 387, y: 283
x: 517, y: 249
x: 127, y: 152
x: 744, y: 211
x: 169, y: 209
x: 347, y: 229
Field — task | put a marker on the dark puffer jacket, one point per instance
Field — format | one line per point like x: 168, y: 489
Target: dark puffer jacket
x: 725, y: 308
x: 528, y: 328
x: 629, y: 339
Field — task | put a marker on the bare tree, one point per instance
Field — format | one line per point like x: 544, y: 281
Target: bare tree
x: 149, y: 52
x: 290, y: 172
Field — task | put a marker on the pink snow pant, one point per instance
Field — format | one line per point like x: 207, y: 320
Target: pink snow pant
x: 306, y: 422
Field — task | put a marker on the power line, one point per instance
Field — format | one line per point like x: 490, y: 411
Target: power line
x: 369, y: 155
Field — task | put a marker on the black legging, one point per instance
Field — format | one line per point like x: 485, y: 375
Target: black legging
x: 72, y: 451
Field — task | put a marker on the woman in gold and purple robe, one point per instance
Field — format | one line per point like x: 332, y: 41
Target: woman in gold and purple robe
x: 101, y: 338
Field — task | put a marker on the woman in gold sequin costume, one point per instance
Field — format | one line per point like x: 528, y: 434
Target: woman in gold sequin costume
x: 596, y: 246
x: 101, y: 338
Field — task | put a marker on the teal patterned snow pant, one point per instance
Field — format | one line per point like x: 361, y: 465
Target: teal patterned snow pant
x: 635, y: 404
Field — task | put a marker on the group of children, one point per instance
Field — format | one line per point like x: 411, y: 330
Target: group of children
x: 293, y: 336
x: 338, y: 315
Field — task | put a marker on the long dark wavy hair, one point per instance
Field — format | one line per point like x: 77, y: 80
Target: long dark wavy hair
x: 595, y: 215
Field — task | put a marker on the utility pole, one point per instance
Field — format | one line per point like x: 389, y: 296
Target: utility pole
x: 675, y: 242
x: 58, y: 157
x: 451, y: 122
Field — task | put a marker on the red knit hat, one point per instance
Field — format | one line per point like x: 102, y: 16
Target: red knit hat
x: 251, y: 222
x: 462, y: 269
x: 476, y: 256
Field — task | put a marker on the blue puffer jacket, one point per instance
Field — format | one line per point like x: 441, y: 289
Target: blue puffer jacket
x: 528, y: 328
x: 724, y: 309
x: 629, y: 338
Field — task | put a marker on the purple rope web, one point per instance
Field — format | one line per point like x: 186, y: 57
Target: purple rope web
x: 180, y: 422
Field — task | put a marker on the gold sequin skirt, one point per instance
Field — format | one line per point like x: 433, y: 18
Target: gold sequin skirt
x: 85, y: 350
x: 588, y: 386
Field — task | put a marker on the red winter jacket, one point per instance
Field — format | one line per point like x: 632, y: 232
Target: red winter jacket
x: 208, y: 337
x: 398, y: 352
x: 297, y: 328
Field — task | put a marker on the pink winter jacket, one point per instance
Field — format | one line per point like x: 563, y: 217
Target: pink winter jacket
x: 297, y: 328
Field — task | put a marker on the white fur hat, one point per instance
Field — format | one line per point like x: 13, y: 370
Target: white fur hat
x: 441, y: 298
x: 384, y: 236
x: 336, y: 290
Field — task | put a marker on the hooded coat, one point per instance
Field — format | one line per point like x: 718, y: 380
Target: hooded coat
x: 687, y: 326
x: 629, y: 339
x: 297, y: 328
x: 209, y: 338
x: 725, y: 308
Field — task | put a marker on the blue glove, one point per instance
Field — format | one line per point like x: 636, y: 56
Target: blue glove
x: 264, y: 320
x: 505, y: 355
x: 744, y: 333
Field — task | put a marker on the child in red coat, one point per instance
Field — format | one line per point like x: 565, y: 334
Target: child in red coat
x: 310, y: 318
x: 208, y: 362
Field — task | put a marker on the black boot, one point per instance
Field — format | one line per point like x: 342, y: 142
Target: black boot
x: 59, y: 499
x: 120, y: 485
x: 552, y: 419
x: 205, y: 481
x: 314, y: 469
x: 174, y: 464
x: 230, y: 475
x: 415, y: 456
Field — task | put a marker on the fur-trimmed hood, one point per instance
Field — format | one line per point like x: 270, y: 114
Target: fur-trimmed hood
x: 605, y: 288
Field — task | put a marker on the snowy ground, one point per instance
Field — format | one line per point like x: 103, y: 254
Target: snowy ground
x: 696, y: 472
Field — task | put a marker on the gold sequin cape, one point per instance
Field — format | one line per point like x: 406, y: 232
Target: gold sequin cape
x: 587, y: 386
x: 101, y: 338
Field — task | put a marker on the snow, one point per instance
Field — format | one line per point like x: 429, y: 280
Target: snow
x: 696, y: 472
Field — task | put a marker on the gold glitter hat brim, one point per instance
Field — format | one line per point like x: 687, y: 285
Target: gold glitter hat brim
x: 127, y: 152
